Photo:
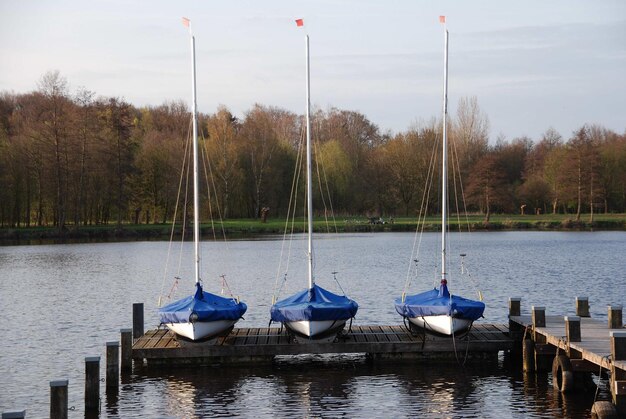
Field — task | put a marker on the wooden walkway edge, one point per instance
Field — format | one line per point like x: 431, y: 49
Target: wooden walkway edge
x: 595, y: 344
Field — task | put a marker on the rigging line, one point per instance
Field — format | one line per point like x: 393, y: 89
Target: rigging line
x: 454, y: 158
x: 421, y: 219
x: 186, y: 201
x: 206, y: 160
x: 319, y: 183
x: 299, y: 169
x: 455, y: 181
x: 458, y: 168
x: 180, y: 183
x: 431, y: 183
x: 292, y: 200
x: 323, y: 197
x: 207, y: 163
x: 294, y: 209
x: 225, y: 284
x: 332, y: 214
x: 468, y: 242
x: 217, y: 200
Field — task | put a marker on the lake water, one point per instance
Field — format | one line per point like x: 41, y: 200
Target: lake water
x: 61, y: 303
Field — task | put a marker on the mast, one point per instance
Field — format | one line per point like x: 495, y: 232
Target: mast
x: 444, y: 165
x: 309, y: 186
x: 196, y: 193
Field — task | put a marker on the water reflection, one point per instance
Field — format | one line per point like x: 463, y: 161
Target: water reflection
x: 347, y: 385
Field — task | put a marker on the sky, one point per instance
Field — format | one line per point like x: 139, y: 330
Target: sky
x: 532, y: 65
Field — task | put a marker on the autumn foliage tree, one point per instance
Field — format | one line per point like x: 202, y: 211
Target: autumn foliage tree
x: 68, y: 160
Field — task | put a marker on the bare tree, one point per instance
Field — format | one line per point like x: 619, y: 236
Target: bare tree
x: 470, y: 133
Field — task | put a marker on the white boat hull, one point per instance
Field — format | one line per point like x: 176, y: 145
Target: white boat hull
x: 315, y: 328
x: 446, y: 325
x: 200, y: 330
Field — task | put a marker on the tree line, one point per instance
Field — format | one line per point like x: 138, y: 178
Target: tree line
x: 70, y: 158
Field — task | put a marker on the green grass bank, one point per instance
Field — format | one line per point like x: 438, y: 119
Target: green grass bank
x: 238, y: 228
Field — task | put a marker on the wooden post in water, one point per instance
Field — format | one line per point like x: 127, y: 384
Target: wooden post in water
x: 515, y: 329
x: 615, y: 317
x: 539, y: 316
x: 113, y: 365
x: 572, y: 328
x: 92, y: 384
x: 58, y: 399
x: 127, y: 349
x: 618, y: 376
x: 582, y: 306
x: 137, y: 320
x: 543, y: 360
x: 14, y: 414
x: 515, y: 309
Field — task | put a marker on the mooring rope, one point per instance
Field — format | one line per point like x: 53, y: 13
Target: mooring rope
x: 608, y: 360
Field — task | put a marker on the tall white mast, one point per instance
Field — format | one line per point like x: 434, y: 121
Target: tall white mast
x: 196, y: 193
x: 444, y: 165
x: 309, y: 186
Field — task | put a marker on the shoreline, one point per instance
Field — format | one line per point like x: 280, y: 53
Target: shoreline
x: 237, y: 229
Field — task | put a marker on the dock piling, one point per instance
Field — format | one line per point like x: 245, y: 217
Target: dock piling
x: 572, y: 328
x: 515, y: 329
x: 126, y: 336
x: 138, y: 320
x: 113, y: 365
x: 92, y: 384
x: 582, y: 306
x: 539, y: 316
x: 58, y: 399
x: 618, y: 376
x: 615, y: 317
x: 543, y: 352
x: 515, y: 309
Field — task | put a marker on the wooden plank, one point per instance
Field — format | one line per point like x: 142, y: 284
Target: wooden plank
x: 359, y: 334
x: 252, y: 336
x: 371, y: 335
x: 241, y: 336
x: 378, y: 331
x: 274, y: 335
x: 144, y: 339
x: 173, y: 344
x: 390, y: 333
x: 263, y: 336
x: 501, y: 328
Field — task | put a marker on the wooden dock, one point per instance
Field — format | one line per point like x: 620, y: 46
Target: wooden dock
x: 253, y: 344
x: 572, y: 347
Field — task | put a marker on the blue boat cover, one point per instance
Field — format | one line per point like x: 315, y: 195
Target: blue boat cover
x: 314, y: 304
x: 437, y: 302
x: 208, y: 307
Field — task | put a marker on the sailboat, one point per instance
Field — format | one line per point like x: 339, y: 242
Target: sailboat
x: 438, y: 310
x: 202, y: 315
x: 313, y: 312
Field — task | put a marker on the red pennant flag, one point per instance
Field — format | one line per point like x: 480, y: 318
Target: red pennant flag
x: 442, y: 19
x: 300, y: 22
x: 186, y: 22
